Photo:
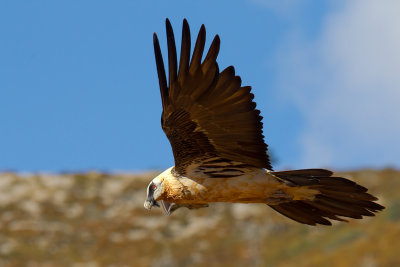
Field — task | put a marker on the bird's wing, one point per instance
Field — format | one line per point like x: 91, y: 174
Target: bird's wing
x: 210, y: 120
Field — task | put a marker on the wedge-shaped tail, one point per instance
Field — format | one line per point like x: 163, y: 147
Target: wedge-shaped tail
x: 338, y: 197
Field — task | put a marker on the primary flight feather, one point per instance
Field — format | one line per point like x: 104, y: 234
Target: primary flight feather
x: 220, y: 155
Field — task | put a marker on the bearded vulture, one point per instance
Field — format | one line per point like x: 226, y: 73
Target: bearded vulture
x: 217, y: 140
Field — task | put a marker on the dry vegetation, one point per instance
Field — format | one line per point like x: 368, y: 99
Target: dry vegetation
x: 98, y: 219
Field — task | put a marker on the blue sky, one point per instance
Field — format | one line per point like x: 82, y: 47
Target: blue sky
x: 79, y: 91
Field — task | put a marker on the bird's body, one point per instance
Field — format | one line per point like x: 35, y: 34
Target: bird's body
x: 220, y: 155
x: 255, y: 186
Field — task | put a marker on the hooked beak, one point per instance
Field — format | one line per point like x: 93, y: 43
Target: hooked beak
x: 149, y: 203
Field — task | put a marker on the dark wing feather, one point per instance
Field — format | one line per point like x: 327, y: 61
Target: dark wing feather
x: 207, y: 115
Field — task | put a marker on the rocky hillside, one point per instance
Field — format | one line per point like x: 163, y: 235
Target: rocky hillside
x: 96, y: 219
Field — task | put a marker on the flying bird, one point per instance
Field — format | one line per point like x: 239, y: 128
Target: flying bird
x: 218, y: 145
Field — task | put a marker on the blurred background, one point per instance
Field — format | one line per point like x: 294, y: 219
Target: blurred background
x: 80, y: 133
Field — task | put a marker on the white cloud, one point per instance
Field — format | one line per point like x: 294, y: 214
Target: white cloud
x: 346, y: 83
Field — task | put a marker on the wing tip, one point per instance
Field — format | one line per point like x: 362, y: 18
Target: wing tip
x: 185, y: 27
x: 168, y: 24
x: 217, y: 43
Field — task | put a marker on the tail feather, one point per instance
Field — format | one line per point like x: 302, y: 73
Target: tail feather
x: 337, y: 197
x: 302, y: 212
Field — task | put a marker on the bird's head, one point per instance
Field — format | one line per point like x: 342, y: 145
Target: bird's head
x: 156, y: 191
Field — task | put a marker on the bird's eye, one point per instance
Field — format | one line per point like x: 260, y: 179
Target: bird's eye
x: 154, y: 187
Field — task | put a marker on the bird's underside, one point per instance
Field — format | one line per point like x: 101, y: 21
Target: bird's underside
x: 255, y: 186
x: 220, y: 155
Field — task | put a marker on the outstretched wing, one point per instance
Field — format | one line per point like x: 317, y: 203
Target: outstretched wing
x: 208, y: 117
